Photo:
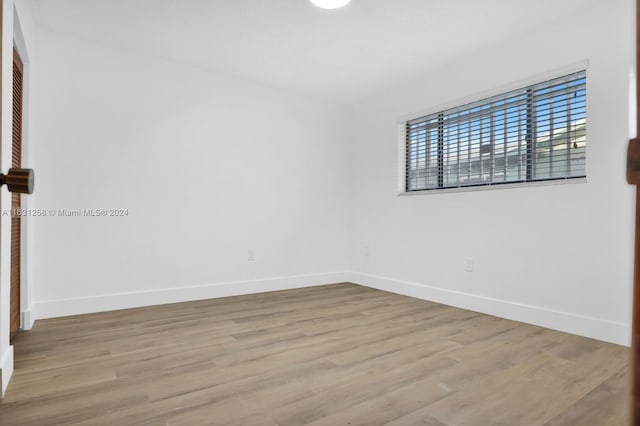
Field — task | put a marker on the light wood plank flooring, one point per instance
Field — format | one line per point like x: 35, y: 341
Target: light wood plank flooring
x: 332, y: 355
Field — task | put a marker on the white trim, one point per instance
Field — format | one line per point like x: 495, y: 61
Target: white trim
x: 402, y: 158
x: 18, y: 37
x: 506, y: 185
x: 515, y: 85
x: 111, y: 302
x: 595, y: 328
x: 6, y: 368
x: 26, y: 320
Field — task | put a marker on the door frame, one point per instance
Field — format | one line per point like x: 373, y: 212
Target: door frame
x: 11, y: 29
x: 26, y: 265
x: 633, y: 177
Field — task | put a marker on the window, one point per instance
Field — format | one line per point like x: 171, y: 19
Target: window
x: 532, y: 134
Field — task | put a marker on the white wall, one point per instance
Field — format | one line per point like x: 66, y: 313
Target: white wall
x: 558, y: 256
x: 209, y: 167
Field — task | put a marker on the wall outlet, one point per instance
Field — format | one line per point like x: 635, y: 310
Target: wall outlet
x: 468, y: 264
x: 367, y: 251
x: 251, y: 256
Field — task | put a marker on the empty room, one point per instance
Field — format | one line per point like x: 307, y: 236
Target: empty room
x: 323, y: 212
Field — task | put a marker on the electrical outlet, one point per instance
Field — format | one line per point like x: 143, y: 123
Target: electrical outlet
x: 468, y: 264
x: 251, y: 256
x: 367, y: 251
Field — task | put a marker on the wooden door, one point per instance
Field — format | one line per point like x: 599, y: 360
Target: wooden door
x: 16, y: 162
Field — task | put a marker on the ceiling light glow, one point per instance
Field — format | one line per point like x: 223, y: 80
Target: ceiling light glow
x: 330, y: 4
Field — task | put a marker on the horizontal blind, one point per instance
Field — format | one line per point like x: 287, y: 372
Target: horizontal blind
x: 530, y: 134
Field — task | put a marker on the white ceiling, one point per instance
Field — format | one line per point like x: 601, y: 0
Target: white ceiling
x: 335, y: 54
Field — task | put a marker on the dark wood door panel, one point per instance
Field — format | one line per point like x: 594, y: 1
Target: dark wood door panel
x: 16, y: 162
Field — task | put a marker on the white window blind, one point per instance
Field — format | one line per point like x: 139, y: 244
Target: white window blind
x: 532, y: 134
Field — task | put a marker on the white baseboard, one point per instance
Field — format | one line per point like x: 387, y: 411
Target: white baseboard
x: 6, y: 368
x: 595, y: 328
x: 27, y: 320
x: 112, y: 302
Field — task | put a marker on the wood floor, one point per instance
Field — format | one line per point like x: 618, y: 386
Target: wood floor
x: 333, y: 355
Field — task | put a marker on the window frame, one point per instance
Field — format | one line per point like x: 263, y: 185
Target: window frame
x: 443, y: 109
